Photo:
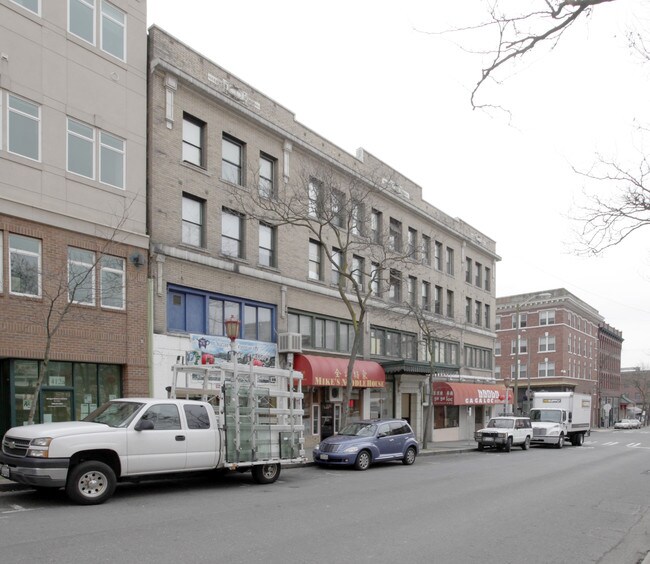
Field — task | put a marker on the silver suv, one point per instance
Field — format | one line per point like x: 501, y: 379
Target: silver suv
x: 504, y: 432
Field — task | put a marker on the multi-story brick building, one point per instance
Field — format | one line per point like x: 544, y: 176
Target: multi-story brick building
x: 555, y: 347
x: 72, y: 205
x: 215, y: 145
x: 610, y: 344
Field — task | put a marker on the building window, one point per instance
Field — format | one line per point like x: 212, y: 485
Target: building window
x: 468, y: 310
x: 315, y: 259
x: 81, y: 154
x: 232, y: 160
x: 523, y: 320
x: 375, y: 282
x: 478, y: 313
x: 468, y: 270
x: 193, y: 140
x: 337, y: 204
x: 426, y: 250
x: 267, y: 177
x: 395, y: 235
x: 547, y: 317
x: 81, y: 19
x: 395, y: 344
x: 31, y: 5
x: 476, y: 357
x: 497, y: 323
x: 24, y: 266
x: 112, y: 283
x: 412, y: 290
x: 395, y: 286
x: 545, y: 369
x: 547, y: 343
x: 479, y: 275
x: 24, y: 128
x: 426, y: 296
x: 192, y: 221
x: 486, y: 309
x: 113, y: 39
x: 267, y: 238
x: 411, y: 242
x: 356, y: 218
x: 488, y: 283
x: 497, y: 348
x: 357, y: 270
x: 450, y: 261
x: 81, y: 276
x: 523, y: 346
x: 322, y: 332
x: 437, y: 255
x: 81, y: 22
x: 232, y: 234
x: 314, y: 195
x: 444, y: 352
x: 437, y: 300
x: 375, y: 226
x: 450, y: 303
x: 111, y: 160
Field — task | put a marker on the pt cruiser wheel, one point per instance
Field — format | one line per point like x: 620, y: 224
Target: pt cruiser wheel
x: 409, y: 457
x: 363, y: 460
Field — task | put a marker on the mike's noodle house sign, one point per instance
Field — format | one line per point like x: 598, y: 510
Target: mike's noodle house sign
x: 452, y: 393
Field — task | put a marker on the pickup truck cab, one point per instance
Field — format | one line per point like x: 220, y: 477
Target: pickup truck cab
x: 124, y: 438
x: 505, y: 432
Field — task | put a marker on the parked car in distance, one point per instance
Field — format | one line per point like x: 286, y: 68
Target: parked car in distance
x: 627, y: 424
x: 363, y: 443
x: 505, y: 432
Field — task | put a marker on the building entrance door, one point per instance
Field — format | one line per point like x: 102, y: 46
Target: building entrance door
x: 479, y: 416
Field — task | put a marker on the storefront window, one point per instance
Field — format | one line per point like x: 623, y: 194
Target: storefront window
x: 446, y: 416
x: 109, y: 382
x: 59, y: 375
x: 85, y: 389
x: 25, y: 377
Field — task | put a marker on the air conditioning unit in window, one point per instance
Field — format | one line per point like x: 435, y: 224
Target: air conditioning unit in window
x: 289, y: 343
x: 336, y: 394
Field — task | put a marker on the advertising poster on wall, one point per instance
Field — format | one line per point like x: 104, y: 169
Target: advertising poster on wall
x: 215, y: 350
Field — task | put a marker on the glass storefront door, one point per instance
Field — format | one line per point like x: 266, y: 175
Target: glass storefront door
x: 56, y: 405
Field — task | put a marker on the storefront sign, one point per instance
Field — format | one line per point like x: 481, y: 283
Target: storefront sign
x: 331, y: 371
x: 452, y: 393
x: 209, y: 349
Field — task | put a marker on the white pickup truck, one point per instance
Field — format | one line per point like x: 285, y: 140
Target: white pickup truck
x: 251, y: 427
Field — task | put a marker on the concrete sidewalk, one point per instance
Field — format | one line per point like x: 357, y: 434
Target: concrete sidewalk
x: 449, y: 447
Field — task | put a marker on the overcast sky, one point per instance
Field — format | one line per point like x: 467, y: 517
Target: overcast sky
x: 366, y: 73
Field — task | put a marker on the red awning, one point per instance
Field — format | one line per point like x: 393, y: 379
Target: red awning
x: 461, y: 393
x: 329, y: 371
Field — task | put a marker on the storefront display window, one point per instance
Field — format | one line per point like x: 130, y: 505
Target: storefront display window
x: 446, y: 416
x: 25, y: 376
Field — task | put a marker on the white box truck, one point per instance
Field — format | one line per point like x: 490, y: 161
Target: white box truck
x: 216, y: 418
x: 560, y: 416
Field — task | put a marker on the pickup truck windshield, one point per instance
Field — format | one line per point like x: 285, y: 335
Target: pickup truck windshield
x: 546, y: 415
x: 115, y: 413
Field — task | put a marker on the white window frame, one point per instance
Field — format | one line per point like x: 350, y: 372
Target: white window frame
x: 88, y: 267
x: 190, y: 222
x: 315, y: 260
x: 78, y: 135
x: 105, y: 16
x: 271, y: 248
x: 20, y: 113
x: 227, y: 236
x: 266, y: 184
x: 121, y: 152
x: 239, y: 166
x: 191, y: 121
x: 22, y: 4
x: 117, y: 272
x: 90, y: 4
x: 546, y: 342
x: 21, y: 252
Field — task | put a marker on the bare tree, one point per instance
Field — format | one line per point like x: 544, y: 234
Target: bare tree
x: 333, y: 209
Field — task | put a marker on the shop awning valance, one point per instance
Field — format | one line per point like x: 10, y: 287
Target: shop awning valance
x: 464, y: 393
x: 331, y: 371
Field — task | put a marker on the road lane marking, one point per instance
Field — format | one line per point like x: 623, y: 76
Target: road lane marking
x: 611, y: 443
x: 632, y: 445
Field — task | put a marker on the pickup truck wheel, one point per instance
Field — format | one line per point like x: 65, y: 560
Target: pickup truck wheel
x: 481, y: 446
x: 526, y: 444
x: 508, y: 445
x: 409, y: 457
x: 363, y: 461
x: 560, y: 441
x: 266, y: 473
x: 91, y: 483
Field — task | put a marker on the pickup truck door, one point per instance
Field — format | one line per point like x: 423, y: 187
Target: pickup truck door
x: 202, y: 437
x: 161, y: 449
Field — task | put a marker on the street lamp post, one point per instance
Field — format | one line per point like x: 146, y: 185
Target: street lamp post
x: 506, y: 408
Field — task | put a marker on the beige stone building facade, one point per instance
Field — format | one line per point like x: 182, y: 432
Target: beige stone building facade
x: 72, y: 205
x: 218, y: 150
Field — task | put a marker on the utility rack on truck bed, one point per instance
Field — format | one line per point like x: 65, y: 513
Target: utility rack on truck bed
x: 259, y: 409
